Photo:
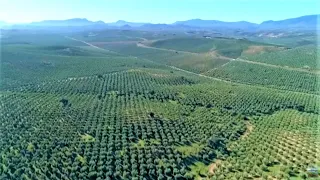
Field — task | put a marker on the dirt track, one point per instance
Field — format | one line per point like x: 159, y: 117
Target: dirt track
x: 84, y: 42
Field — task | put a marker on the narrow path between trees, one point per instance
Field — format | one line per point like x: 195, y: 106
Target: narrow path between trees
x: 84, y: 42
x: 213, y: 166
x: 89, y: 44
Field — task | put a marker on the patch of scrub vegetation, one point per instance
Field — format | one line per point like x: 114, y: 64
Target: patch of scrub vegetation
x: 190, y: 150
x: 197, y: 171
x: 30, y: 147
x: 87, y: 138
x: 140, y: 144
x: 81, y: 159
x: 154, y: 141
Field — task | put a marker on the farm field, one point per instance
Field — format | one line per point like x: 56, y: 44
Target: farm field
x: 300, y: 57
x: 228, y: 47
x: 156, y: 105
x: 194, y: 62
x: 216, y: 65
x: 268, y: 76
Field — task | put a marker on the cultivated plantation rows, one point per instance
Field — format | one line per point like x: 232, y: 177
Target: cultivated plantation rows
x: 268, y: 76
x: 211, y: 64
x: 281, y: 145
x: 301, y: 57
x: 73, y: 112
x: 117, y: 136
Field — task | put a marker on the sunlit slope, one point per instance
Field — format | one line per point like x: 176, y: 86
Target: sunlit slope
x: 194, y: 62
x: 274, y: 77
x: 305, y: 57
x: 228, y: 47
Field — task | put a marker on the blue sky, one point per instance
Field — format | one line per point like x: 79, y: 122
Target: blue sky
x: 155, y: 11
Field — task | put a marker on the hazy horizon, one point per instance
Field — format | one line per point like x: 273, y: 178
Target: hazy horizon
x: 156, y: 11
x: 150, y: 22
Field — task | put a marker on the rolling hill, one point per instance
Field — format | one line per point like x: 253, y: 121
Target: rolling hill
x: 68, y: 22
x: 303, y: 22
x: 216, y: 24
x: 228, y: 47
x: 132, y: 104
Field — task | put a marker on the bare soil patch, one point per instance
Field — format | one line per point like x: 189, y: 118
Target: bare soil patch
x: 254, y: 49
x: 260, y: 49
x: 213, y: 166
x: 248, y: 131
x: 215, y: 54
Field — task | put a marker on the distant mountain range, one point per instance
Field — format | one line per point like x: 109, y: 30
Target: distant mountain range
x: 304, y: 22
x: 214, y: 23
x: 125, y: 23
x: 310, y: 21
x: 68, y: 22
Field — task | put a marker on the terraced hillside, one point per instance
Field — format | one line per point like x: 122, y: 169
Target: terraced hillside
x: 77, y: 111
